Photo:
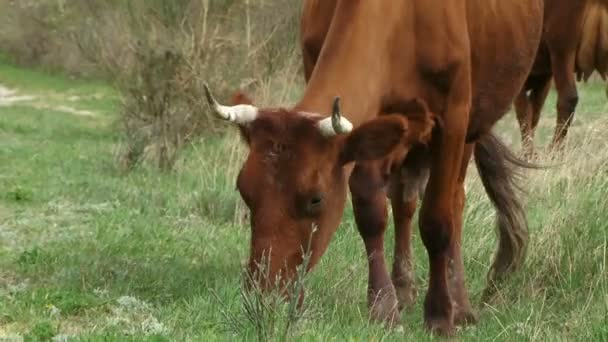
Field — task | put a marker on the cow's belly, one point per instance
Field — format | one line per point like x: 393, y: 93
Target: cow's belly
x: 505, y: 35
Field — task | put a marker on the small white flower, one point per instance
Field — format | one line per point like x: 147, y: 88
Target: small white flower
x: 131, y: 303
x: 61, y: 338
x: 100, y: 292
x: 520, y: 328
x: 17, y: 288
x: 118, y: 320
x: 151, y: 326
x: 12, y: 338
x: 53, y: 310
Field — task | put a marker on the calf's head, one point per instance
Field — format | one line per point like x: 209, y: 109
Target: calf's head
x: 294, y: 178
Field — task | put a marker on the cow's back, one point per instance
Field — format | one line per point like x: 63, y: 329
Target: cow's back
x: 505, y: 36
x: 559, y: 38
x: 592, y: 47
x: 404, y: 52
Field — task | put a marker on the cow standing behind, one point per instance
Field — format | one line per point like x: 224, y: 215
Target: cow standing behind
x: 575, y: 38
x: 422, y: 83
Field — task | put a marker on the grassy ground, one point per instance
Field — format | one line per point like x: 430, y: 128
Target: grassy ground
x: 88, y: 251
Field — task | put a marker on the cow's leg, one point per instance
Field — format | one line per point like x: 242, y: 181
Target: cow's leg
x: 370, y: 207
x: 463, y: 311
x: 523, y: 109
x: 403, y: 202
x: 538, y: 96
x: 529, y: 108
x: 406, y: 184
x: 567, y: 95
x: 436, y: 230
x: 436, y: 214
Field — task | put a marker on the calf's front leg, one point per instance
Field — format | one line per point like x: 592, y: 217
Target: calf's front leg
x: 437, y: 224
x: 370, y: 207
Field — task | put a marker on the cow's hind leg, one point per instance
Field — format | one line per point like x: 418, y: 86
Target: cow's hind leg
x: 538, y: 96
x: 567, y: 95
x: 463, y: 311
x: 523, y: 109
x: 370, y: 207
x: 528, y: 106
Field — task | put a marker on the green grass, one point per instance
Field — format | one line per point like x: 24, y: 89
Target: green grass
x: 91, y: 252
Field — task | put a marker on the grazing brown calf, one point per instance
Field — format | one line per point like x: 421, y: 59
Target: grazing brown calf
x: 422, y: 83
x: 575, y: 39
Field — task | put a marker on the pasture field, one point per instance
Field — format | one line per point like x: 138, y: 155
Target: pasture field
x: 90, y: 252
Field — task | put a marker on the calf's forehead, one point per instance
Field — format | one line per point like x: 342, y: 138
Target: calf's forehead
x: 295, y: 131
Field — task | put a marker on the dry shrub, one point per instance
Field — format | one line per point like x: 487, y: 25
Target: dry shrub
x: 164, y: 54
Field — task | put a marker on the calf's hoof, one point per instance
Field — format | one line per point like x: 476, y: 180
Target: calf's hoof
x: 406, y: 296
x: 441, y: 326
x: 465, y: 317
x: 384, y: 308
x: 439, y: 315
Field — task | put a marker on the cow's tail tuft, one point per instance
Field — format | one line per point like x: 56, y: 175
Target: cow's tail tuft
x: 501, y: 172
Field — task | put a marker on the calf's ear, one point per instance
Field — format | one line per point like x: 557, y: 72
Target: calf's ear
x: 240, y: 98
x: 375, y: 139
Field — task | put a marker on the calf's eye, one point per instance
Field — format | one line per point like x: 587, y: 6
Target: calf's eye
x: 315, y: 203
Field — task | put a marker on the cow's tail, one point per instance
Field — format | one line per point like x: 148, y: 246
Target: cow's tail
x: 500, y: 172
x: 592, y: 52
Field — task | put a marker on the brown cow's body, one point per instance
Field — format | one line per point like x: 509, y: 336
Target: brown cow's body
x: 575, y: 37
x: 500, y: 53
x: 399, y: 66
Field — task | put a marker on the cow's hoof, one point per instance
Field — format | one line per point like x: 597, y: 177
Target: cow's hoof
x: 406, y: 296
x: 556, y: 150
x: 464, y: 317
x: 440, y: 326
x: 384, y: 308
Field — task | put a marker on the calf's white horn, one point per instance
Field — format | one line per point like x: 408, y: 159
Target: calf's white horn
x: 336, y: 124
x: 240, y: 114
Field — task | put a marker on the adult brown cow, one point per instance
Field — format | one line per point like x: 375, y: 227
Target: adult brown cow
x: 575, y: 39
x: 422, y: 82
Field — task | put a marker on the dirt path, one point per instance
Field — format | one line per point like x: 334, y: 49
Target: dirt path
x: 10, y: 97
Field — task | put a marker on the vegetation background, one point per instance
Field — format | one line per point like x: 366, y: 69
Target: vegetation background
x: 118, y: 214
